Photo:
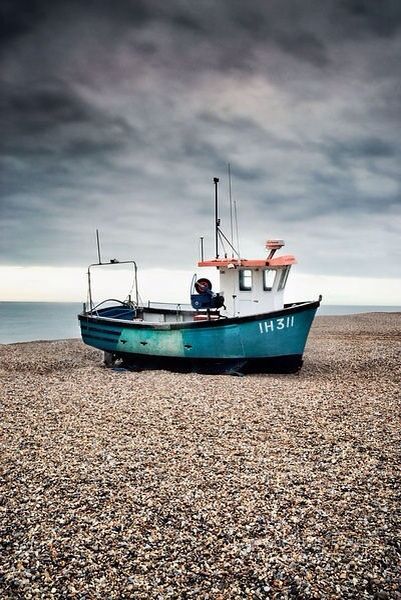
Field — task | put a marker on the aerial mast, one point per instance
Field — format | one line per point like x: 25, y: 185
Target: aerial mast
x: 216, y: 215
x: 231, y: 207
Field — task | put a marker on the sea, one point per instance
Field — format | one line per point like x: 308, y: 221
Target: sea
x: 31, y: 321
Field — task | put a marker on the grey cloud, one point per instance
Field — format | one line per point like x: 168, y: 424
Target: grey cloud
x: 304, y: 45
x: 365, y: 148
x: 117, y: 116
x: 382, y: 18
x: 20, y: 16
x: 48, y: 105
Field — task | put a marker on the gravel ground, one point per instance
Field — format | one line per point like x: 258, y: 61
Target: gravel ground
x: 116, y: 484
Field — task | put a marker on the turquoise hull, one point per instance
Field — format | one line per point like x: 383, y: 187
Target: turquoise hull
x: 272, y: 341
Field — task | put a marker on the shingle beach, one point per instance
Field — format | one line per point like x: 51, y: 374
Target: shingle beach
x: 119, y: 484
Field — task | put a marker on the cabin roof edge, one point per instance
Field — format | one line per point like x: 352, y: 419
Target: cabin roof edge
x: 279, y: 261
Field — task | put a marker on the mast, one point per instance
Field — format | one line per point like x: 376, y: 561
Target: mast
x: 216, y: 216
x: 231, y: 207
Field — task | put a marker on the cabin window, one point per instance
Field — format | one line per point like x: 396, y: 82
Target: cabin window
x: 269, y: 275
x: 245, y: 280
x: 283, y: 278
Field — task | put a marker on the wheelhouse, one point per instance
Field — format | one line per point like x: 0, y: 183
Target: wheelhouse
x: 253, y: 286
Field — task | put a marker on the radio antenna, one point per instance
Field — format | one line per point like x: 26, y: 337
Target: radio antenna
x: 236, y: 226
x: 231, y: 207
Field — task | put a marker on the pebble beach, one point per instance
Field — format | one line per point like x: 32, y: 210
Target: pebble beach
x: 118, y: 484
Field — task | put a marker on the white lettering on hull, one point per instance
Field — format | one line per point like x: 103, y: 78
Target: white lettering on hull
x: 276, y: 324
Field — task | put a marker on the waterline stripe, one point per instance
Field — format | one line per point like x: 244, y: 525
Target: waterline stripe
x: 88, y: 336
x: 101, y: 330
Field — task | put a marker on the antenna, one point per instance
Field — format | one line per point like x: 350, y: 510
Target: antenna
x: 219, y: 235
x: 98, y: 247
x: 216, y: 215
x: 231, y: 207
x: 236, y: 226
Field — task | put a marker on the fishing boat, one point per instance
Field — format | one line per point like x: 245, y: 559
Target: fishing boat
x: 243, y: 328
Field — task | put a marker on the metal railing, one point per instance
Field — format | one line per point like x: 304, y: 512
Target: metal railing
x: 170, y: 305
x: 116, y: 315
x: 112, y: 262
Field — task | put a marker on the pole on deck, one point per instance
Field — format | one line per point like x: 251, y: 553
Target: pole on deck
x: 98, y: 247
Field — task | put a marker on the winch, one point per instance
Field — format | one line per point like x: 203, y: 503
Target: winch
x: 204, y: 298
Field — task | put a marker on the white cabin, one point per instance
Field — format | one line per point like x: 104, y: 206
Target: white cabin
x: 253, y: 286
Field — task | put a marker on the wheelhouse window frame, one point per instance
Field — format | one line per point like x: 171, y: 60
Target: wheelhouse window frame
x: 266, y: 284
x: 245, y: 280
x: 283, y: 278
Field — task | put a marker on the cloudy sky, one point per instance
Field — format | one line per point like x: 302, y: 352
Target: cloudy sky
x: 117, y: 116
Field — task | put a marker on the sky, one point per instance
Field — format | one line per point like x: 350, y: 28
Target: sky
x: 117, y: 115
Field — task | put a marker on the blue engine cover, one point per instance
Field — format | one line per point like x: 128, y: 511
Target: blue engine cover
x: 207, y: 300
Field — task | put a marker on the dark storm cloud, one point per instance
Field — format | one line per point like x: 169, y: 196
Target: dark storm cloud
x: 382, y: 18
x: 117, y: 115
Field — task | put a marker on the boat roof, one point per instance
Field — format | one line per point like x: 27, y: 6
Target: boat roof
x: 279, y: 261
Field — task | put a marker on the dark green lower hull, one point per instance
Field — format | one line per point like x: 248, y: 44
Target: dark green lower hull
x: 277, y: 364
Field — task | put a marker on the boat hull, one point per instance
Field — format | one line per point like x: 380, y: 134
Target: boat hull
x: 269, y: 342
